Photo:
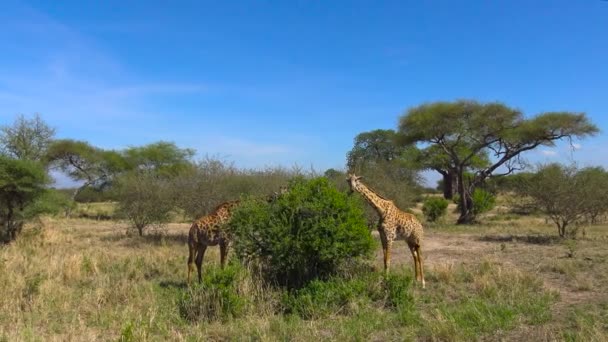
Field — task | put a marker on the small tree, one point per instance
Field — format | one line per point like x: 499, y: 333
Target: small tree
x: 145, y: 199
x: 595, y: 180
x: 556, y: 191
x: 22, y: 182
x: 305, y: 234
x: 26, y: 139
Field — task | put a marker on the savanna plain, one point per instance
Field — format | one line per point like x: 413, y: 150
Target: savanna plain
x: 507, y: 278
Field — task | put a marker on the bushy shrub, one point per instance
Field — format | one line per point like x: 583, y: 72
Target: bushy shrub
x: 434, y: 208
x: 304, y: 235
x: 483, y: 201
x: 340, y: 296
x: 51, y: 202
x: 320, y: 298
x: 22, y: 183
x: 217, y: 298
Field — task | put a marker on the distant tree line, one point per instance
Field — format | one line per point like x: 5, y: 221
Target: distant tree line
x: 475, y: 147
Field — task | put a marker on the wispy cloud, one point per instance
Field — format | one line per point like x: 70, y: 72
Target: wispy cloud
x: 72, y: 81
x: 549, y: 153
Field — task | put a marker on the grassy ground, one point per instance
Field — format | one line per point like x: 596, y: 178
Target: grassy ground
x: 506, y: 279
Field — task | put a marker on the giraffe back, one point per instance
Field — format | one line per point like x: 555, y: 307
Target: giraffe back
x: 402, y: 225
x: 209, y: 230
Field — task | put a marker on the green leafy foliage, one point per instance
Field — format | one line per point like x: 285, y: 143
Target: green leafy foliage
x: 145, y: 198
x: 465, y: 130
x: 569, y: 196
x: 212, y: 181
x: 305, y: 234
x: 434, y: 208
x: 347, y: 296
x: 26, y: 139
x: 51, y: 202
x: 22, y: 182
x: 217, y: 298
x: 483, y: 201
x: 163, y: 157
x: 387, y: 166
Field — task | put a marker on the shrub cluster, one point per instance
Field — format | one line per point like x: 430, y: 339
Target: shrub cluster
x: 483, y: 201
x: 434, y: 208
x: 217, y: 298
x: 320, y: 299
x: 305, y: 234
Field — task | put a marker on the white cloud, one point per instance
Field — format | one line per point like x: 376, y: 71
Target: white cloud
x: 548, y: 153
x: 576, y: 146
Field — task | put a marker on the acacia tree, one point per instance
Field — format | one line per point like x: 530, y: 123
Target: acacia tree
x: 84, y: 163
x: 465, y: 129
x: 433, y: 158
x: 163, y: 157
x: 26, y: 139
x: 96, y: 167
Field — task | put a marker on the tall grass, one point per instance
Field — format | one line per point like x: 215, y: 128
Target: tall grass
x: 84, y: 280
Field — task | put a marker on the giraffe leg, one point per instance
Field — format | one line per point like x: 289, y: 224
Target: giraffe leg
x: 387, y: 256
x: 191, y: 249
x: 415, y: 257
x: 385, y: 250
x: 224, y: 246
x: 199, y: 261
x: 419, y: 253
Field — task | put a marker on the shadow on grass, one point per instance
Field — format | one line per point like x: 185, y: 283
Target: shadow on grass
x: 172, y: 284
x: 531, y: 239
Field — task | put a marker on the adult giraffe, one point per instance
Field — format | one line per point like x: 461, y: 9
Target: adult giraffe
x: 394, y: 225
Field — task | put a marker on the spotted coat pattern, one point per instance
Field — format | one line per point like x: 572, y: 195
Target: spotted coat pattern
x: 394, y: 225
x: 209, y: 231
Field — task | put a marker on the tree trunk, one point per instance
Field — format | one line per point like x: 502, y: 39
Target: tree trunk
x: 561, y: 228
x: 140, y: 230
x: 448, y: 186
x: 467, y: 215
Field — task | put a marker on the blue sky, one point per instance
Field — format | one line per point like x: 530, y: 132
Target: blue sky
x: 265, y: 83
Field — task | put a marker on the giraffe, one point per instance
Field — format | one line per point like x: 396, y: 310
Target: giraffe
x: 394, y: 224
x: 209, y: 231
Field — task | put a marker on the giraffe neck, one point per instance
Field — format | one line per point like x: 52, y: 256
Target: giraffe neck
x: 379, y: 203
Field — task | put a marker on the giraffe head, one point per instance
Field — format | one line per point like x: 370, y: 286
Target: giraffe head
x: 353, y: 182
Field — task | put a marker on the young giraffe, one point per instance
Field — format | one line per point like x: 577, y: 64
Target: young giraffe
x: 209, y: 231
x: 394, y: 224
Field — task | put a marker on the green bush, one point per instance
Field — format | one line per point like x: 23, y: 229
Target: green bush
x: 22, y: 183
x: 321, y: 299
x: 483, y: 201
x: 51, y: 202
x: 340, y: 296
x: 305, y: 234
x: 217, y: 298
x: 434, y: 208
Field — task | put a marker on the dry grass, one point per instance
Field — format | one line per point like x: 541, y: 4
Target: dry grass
x: 76, y: 280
